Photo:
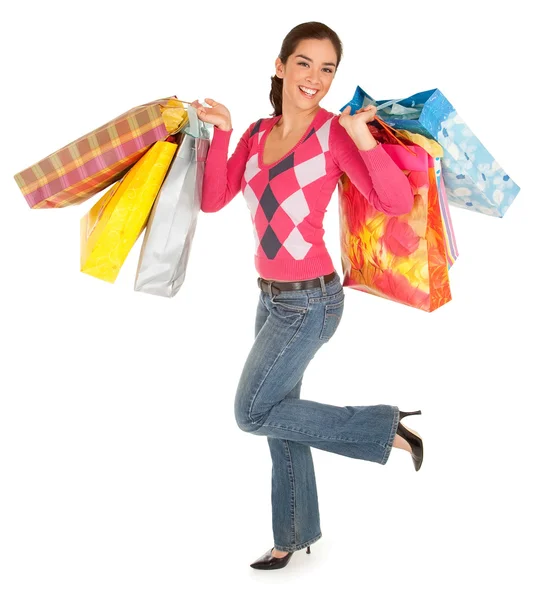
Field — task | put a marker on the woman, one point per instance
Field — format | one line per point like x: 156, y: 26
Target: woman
x: 287, y: 168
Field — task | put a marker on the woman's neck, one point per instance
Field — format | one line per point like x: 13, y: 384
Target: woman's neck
x: 292, y: 120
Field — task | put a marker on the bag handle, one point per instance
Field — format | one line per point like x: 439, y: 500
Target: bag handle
x: 388, y: 103
x: 388, y: 128
x: 392, y: 132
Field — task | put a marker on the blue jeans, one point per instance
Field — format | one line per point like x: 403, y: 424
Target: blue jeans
x: 290, y: 328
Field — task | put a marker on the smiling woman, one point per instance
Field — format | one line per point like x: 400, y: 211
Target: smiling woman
x: 287, y: 167
x: 308, y: 64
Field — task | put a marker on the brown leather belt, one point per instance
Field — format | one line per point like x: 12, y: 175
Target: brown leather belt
x: 267, y: 285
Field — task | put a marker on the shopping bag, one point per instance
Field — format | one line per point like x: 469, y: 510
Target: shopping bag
x: 171, y: 226
x: 401, y: 258
x: 436, y: 151
x: 113, y: 225
x: 451, y: 249
x: 473, y: 178
x: 94, y: 161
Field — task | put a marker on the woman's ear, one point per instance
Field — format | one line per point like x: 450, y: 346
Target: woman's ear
x: 279, y: 68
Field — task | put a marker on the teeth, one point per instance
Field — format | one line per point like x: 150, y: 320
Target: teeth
x: 307, y: 90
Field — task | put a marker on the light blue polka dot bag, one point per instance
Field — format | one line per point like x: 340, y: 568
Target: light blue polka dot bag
x: 473, y: 178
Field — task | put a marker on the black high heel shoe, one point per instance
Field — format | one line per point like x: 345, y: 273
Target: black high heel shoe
x: 268, y: 561
x: 413, y: 439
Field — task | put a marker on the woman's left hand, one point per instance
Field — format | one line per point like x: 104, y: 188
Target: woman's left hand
x: 355, y: 122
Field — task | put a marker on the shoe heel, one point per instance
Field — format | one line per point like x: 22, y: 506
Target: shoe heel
x: 308, y: 550
x: 406, y: 414
x: 413, y: 439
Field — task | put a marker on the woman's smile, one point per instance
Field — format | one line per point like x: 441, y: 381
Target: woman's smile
x: 305, y: 94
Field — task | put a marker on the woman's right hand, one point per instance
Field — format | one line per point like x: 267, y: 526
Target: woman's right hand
x: 217, y: 114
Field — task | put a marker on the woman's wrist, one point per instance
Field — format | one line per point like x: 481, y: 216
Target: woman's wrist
x: 363, y: 139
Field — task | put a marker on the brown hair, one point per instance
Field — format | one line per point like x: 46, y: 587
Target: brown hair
x: 304, y: 31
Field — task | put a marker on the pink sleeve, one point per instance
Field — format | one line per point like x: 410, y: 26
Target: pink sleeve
x: 222, y: 177
x: 373, y: 172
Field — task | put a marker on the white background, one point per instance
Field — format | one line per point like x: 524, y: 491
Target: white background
x: 122, y: 471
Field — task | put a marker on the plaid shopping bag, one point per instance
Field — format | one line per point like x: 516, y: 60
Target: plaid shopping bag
x: 94, y: 161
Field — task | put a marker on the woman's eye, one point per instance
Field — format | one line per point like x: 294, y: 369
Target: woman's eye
x: 327, y: 69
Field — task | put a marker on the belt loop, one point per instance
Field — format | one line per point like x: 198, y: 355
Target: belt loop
x: 322, y: 282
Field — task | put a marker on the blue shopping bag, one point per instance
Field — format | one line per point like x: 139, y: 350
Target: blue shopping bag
x: 473, y: 178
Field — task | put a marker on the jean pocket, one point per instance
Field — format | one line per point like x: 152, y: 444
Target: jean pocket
x: 291, y: 304
x: 332, y: 318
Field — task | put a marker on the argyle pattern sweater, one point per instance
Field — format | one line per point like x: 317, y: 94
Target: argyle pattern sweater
x: 288, y: 199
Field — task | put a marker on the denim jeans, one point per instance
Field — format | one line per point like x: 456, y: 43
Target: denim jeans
x: 290, y: 327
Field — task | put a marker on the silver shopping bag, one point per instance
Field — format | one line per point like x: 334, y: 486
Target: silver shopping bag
x: 172, y: 221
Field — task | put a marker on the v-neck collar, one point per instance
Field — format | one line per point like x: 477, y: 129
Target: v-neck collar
x: 266, y: 133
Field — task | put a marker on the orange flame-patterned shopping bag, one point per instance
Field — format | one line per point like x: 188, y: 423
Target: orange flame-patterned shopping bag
x: 401, y: 258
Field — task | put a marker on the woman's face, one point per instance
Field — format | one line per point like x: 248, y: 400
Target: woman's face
x: 311, y: 65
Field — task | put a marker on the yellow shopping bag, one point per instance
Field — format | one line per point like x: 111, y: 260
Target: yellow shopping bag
x: 112, y: 226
